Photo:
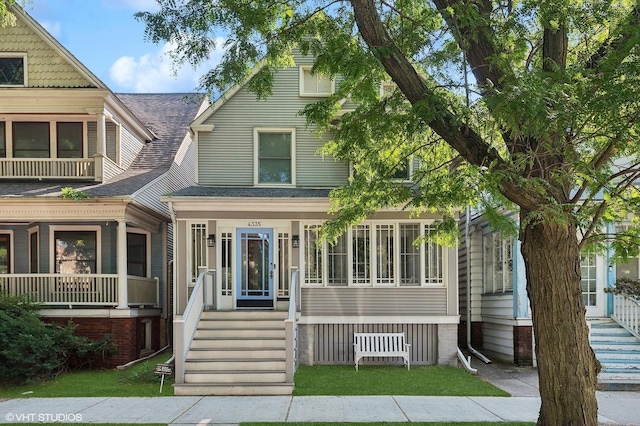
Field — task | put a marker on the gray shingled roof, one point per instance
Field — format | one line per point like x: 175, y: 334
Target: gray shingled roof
x: 167, y: 115
x: 252, y: 192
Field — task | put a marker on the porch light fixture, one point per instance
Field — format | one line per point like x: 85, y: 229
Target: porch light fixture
x: 295, y: 241
x: 211, y: 240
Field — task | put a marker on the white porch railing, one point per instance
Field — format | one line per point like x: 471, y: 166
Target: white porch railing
x: 291, y: 327
x: 44, y: 168
x: 143, y: 291
x: 59, y: 289
x: 80, y: 289
x: 184, y: 326
x: 626, y: 312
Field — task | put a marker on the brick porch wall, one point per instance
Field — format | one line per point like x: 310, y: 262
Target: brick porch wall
x: 523, y: 345
x: 126, y: 334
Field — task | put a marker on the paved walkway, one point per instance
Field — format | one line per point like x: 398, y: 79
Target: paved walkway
x: 621, y: 408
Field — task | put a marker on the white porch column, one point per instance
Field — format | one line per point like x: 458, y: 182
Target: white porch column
x: 101, y: 149
x: 123, y: 302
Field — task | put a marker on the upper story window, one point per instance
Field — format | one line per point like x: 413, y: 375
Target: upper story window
x: 315, y: 84
x: 12, y: 70
x: 402, y: 172
x: 274, y: 156
x: 32, y: 139
x: 3, y: 140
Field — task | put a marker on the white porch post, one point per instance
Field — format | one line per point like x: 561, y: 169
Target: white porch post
x: 101, y: 148
x: 123, y: 303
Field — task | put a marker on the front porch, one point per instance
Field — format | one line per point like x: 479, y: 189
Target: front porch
x: 83, y: 290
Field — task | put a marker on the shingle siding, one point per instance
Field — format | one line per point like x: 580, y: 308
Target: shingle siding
x: 46, y: 68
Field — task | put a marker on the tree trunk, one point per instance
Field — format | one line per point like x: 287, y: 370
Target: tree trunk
x: 567, y: 367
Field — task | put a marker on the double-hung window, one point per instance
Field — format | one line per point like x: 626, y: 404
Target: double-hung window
x: 274, y: 156
x: 314, y: 83
x: 13, y: 69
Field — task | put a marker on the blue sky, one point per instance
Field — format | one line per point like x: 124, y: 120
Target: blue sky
x: 109, y: 41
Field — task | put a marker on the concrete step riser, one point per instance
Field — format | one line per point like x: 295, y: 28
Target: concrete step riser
x: 617, y: 355
x: 236, y: 390
x: 237, y: 344
x: 235, y: 378
x: 240, y: 333
x: 256, y: 365
x: 622, y: 365
x: 241, y: 324
x: 240, y: 315
x: 625, y: 339
x: 236, y: 353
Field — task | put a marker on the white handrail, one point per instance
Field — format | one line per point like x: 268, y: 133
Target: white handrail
x: 184, y: 326
x: 626, y: 312
x: 291, y: 327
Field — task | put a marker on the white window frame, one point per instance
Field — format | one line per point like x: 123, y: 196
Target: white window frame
x: 12, y: 255
x: 53, y: 134
x: 372, y: 280
x: 23, y: 55
x: 34, y: 230
x: 257, y: 131
x: 52, y: 243
x: 192, y: 275
x: 147, y: 234
x: 306, y: 70
x: 507, y: 249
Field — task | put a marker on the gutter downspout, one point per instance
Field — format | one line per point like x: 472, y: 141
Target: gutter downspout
x: 466, y: 236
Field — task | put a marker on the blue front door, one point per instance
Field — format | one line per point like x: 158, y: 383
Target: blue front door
x: 254, y: 284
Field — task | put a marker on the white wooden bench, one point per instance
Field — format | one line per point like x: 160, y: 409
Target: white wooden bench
x: 380, y: 344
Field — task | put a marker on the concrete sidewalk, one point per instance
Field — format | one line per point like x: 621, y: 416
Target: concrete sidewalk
x: 615, y: 408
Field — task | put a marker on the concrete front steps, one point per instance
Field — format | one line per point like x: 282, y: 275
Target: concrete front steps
x: 619, y: 353
x: 237, y: 353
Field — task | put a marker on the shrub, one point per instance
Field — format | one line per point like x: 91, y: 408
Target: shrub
x: 626, y: 286
x: 31, y: 350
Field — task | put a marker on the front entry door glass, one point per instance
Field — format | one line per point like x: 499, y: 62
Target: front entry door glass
x: 255, y: 268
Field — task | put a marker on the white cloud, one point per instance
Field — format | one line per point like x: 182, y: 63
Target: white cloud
x: 53, y: 28
x: 153, y: 73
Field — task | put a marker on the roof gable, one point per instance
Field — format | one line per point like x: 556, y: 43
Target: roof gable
x: 49, y: 64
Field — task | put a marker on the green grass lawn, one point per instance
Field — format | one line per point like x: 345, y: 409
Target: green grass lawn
x: 138, y: 380
x: 431, y: 380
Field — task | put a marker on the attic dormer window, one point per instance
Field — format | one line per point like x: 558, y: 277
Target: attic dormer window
x: 12, y: 70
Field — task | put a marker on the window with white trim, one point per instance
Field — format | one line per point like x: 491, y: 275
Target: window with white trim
x: 137, y: 254
x: 498, y: 263
x: 274, y: 156
x: 34, y: 258
x: 630, y: 268
x: 13, y: 69
x: 588, y: 279
x: 76, y: 252
x: 227, y: 259
x: 314, y: 83
x: 3, y: 139
x: 197, y: 249
x: 283, y: 264
x: 5, y: 253
x: 375, y: 254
